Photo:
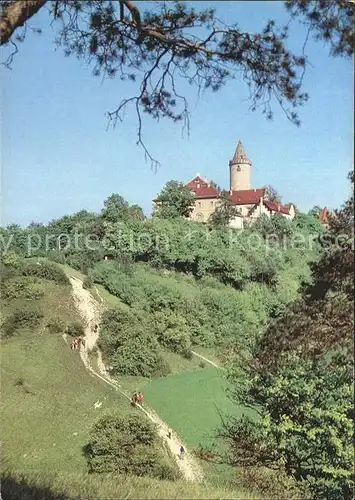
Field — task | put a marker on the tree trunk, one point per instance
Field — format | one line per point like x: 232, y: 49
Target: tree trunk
x: 15, y: 15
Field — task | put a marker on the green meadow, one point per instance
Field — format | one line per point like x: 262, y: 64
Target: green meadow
x: 191, y: 403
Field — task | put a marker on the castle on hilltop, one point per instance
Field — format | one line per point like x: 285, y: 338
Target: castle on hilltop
x: 252, y: 203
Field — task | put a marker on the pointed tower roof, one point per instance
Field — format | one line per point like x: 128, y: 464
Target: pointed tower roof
x: 240, y: 155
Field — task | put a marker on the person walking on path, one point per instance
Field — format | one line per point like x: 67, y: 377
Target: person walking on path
x: 182, y: 452
x: 140, y: 398
x: 134, y: 398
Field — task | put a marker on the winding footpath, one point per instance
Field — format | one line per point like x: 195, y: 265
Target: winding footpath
x: 205, y: 359
x: 90, y: 310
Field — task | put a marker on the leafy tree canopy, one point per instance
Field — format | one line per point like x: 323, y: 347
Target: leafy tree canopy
x: 300, y: 379
x: 116, y: 209
x: 175, y: 200
x: 126, y: 445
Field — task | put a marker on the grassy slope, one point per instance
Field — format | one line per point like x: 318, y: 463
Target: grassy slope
x: 46, y: 421
x: 39, y: 418
x: 190, y: 403
x: 195, y: 419
x: 176, y: 362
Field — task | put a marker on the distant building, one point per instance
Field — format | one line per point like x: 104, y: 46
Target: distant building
x: 252, y: 203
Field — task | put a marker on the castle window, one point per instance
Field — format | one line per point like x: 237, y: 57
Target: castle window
x: 212, y: 202
x: 198, y: 203
x: 238, y: 168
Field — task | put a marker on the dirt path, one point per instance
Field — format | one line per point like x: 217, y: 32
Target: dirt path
x: 90, y: 311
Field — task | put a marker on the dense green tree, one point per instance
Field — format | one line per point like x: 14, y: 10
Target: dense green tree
x: 136, y: 212
x: 175, y: 200
x: 129, y: 345
x: 172, y: 331
x: 117, y: 209
x: 274, y: 228
x: 126, y: 445
x: 11, y: 258
x: 308, y: 222
x: 300, y: 379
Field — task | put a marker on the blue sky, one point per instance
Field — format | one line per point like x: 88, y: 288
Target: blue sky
x: 58, y: 156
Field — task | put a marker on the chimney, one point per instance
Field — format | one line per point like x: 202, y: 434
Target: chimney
x: 230, y: 192
x: 254, y: 190
x: 278, y: 207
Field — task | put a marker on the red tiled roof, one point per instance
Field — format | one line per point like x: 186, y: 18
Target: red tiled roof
x: 276, y: 207
x: 202, y: 188
x: 246, y: 196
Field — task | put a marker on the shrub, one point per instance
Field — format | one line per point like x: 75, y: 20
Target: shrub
x: 126, y: 446
x: 22, y: 318
x: 172, y: 331
x: 271, y: 483
x: 129, y: 345
x: 117, y: 281
x: 55, y: 325
x: 75, y: 329
x: 11, y: 259
x: 161, y: 369
x: 46, y: 270
x: 138, y: 353
x: 56, y: 256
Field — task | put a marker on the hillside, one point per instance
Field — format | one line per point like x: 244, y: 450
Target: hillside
x: 48, y: 408
x: 173, y: 316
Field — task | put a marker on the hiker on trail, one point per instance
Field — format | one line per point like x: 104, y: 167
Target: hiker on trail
x: 182, y: 452
x: 72, y: 344
x: 95, y: 328
x: 140, y: 398
x: 169, y: 434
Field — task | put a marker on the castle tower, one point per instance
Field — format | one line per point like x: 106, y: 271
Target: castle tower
x: 240, y: 170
